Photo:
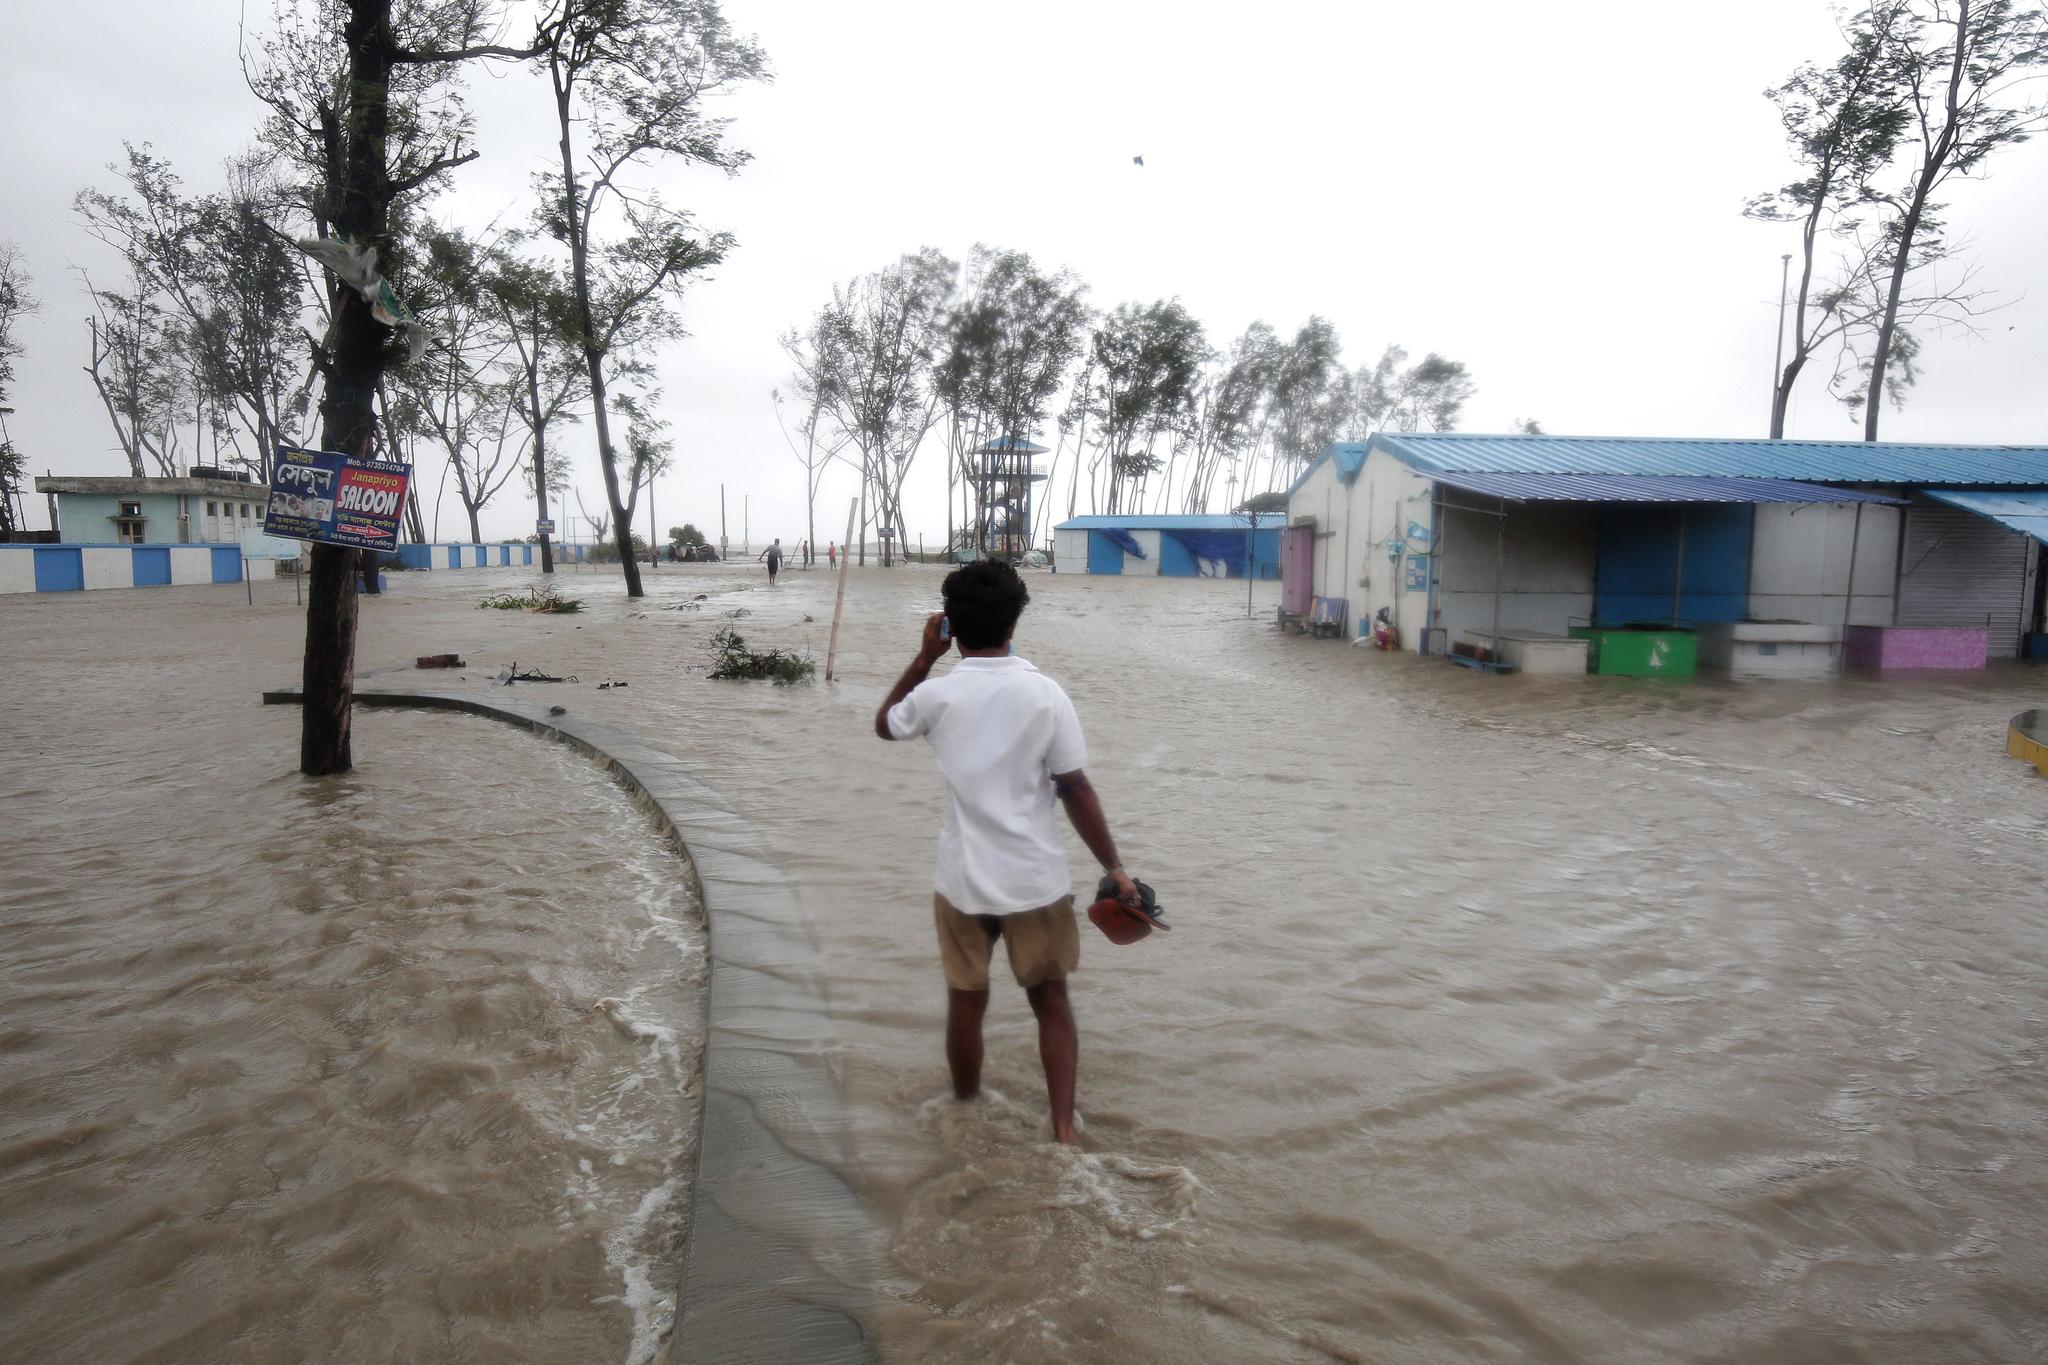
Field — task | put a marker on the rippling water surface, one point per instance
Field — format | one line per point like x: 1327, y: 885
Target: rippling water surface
x: 296, y: 1070
x: 1506, y: 1019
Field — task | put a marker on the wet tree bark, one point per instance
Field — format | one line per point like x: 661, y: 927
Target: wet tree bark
x: 360, y: 197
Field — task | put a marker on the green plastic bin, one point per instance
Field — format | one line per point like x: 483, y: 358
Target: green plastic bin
x: 1658, y: 650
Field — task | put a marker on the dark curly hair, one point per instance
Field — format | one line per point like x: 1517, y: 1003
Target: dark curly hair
x: 983, y: 601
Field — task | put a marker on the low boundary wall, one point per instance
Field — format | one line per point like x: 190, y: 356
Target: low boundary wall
x: 75, y: 568
x: 780, y: 1255
x: 497, y: 554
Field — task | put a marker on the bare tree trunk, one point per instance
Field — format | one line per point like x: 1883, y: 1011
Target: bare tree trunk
x: 347, y: 401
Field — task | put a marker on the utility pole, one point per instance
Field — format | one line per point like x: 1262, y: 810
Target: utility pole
x: 1777, y: 426
x: 721, y: 521
x: 653, y: 539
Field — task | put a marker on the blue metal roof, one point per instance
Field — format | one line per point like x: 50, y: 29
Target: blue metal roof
x: 1649, y: 488
x: 2026, y: 513
x: 1816, y: 461
x: 1217, y: 521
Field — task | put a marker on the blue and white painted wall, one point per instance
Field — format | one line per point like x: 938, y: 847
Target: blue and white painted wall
x: 464, y: 555
x: 77, y: 568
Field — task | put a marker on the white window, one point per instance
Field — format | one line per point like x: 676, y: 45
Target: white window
x: 213, y: 509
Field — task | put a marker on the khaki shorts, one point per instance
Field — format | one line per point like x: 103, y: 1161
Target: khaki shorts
x: 1044, y: 944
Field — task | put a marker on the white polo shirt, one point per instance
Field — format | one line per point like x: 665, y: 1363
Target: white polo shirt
x: 1000, y: 729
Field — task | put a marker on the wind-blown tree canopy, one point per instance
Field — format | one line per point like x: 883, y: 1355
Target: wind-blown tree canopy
x: 457, y: 393
x: 880, y: 340
x: 1012, y: 343
x: 1308, y: 396
x: 1393, y: 395
x: 217, y: 278
x: 630, y: 80
x: 1235, y: 394
x: 1968, y: 75
x: 1844, y: 123
x: 1147, y: 361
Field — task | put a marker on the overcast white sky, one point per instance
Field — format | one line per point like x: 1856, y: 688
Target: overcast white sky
x: 1551, y: 195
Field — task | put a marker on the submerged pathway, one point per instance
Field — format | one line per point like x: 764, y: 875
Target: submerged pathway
x: 778, y: 1259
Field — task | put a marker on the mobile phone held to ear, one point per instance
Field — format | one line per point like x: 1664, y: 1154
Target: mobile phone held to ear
x: 945, y: 627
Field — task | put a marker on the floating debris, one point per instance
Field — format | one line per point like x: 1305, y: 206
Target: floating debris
x: 544, y: 599
x: 735, y: 662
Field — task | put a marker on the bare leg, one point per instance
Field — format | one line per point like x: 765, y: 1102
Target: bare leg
x: 1059, y: 1047
x: 963, y: 1040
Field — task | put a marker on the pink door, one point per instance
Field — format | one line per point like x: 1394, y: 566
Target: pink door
x: 1297, y: 546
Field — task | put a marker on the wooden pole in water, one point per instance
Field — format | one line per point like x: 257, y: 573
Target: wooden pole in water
x: 839, y: 601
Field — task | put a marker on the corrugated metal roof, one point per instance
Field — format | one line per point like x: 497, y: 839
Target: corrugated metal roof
x: 1649, y: 488
x: 2026, y: 513
x: 1219, y: 521
x: 1815, y: 461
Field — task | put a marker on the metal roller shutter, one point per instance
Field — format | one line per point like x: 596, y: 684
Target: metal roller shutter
x: 1959, y: 569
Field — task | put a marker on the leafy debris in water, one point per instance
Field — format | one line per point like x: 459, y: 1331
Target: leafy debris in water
x: 542, y: 599
x: 734, y: 661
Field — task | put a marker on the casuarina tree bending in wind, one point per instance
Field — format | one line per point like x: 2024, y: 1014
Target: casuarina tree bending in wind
x: 630, y: 79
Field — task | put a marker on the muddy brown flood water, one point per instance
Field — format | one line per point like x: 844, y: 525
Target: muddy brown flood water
x: 1504, y: 1020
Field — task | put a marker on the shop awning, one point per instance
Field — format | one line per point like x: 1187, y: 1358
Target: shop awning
x: 2025, y: 511
x: 1650, y: 488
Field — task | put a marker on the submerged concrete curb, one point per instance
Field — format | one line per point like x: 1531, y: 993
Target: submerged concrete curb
x: 2026, y: 738
x: 779, y: 1258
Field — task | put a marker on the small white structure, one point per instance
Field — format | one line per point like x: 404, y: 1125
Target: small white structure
x: 1534, y: 651
x: 1757, y: 651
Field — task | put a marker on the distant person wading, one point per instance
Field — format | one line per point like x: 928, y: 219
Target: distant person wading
x: 1007, y: 741
x: 773, y: 554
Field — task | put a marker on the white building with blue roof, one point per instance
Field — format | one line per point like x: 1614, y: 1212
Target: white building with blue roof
x: 1460, y: 536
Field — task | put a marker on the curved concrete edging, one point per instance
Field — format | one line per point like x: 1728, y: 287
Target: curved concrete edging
x: 2026, y: 738
x: 778, y: 1260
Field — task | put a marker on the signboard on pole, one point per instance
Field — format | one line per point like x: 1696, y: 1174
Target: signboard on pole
x: 335, y: 499
x: 544, y: 527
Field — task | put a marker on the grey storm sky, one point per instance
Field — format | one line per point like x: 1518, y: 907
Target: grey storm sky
x: 1551, y: 195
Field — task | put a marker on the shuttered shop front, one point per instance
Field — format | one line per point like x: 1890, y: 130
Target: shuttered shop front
x: 1959, y: 569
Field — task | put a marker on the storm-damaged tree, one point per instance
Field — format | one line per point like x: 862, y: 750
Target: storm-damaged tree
x: 1230, y: 408
x: 1011, y: 344
x: 1306, y: 409
x: 884, y: 332
x: 630, y: 79
x: 1392, y: 395
x: 214, y: 272
x: 1968, y: 75
x: 457, y: 393
x: 361, y: 101
x: 16, y: 303
x: 1146, y: 361
x: 545, y: 368
x: 1843, y: 122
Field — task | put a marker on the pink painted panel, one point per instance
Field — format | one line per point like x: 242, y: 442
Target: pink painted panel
x: 1297, y: 557
x: 1915, y: 647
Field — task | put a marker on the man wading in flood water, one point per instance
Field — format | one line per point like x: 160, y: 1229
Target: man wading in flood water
x: 1007, y: 741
